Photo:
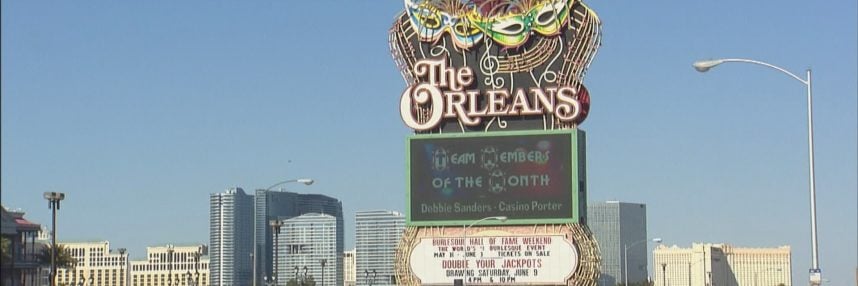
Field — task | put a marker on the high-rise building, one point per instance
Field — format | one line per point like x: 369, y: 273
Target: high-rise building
x: 617, y: 226
x: 307, y: 247
x: 96, y: 264
x: 279, y: 205
x: 376, y: 236
x: 721, y: 264
x: 349, y: 268
x: 170, y: 265
x: 231, y: 237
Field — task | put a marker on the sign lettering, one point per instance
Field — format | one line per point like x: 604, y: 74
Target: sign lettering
x: 442, y: 89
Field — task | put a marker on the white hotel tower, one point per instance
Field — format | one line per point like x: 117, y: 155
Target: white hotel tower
x: 172, y: 265
x: 377, y: 234
x: 96, y: 264
x: 721, y: 264
x: 307, y: 247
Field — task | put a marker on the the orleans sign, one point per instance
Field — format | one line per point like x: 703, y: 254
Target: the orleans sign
x: 442, y: 89
x: 495, y: 95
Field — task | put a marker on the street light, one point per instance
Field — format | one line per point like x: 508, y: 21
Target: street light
x: 703, y: 271
x: 256, y: 258
x: 275, y: 226
x: 170, y: 264
x: 626, y: 258
x: 83, y: 280
x: 297, y: 276
x: 122, y: 268
x: 305, y: 181
x: 197, y: 266
x: 54, y: 199
x: 815, y: 272
x: 374, y: 275
x: 323, y: 261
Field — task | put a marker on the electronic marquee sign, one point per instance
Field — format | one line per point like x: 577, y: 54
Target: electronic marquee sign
x: 495, y: 95
x: 529, y: 177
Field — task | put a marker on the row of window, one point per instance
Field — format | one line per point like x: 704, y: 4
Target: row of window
x: 167, y: 267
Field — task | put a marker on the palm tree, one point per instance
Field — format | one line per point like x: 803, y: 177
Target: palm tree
x: 64, y: 257
x: 5, y: 250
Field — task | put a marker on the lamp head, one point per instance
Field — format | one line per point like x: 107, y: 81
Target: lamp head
x: 54, y: 196
x: 704, y: 66
x: 305, y: 181
x: 656, y: 240
x: 502, y: 218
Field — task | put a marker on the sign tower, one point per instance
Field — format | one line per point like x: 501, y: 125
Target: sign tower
x: 497, y: 185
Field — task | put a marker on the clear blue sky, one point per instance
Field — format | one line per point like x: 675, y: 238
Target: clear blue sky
x: 139, y: 110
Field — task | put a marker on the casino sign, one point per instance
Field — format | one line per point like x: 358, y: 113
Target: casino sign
x: 495, y: 96
x: 493, y: 65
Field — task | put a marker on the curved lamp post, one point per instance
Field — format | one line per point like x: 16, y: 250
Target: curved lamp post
x: 322, y: 280
x: 123, y: 259
x: 298, y: 276
x: 305, y: 181
x: 54, y: 199
x: 626, y: 258
x: 197, y: 266
x: 170, y: 264
x: 704, y: 66
x: 374, y: 275
x: 275, y: 226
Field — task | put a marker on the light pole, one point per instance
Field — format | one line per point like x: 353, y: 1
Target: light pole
x: 275, y: 226
x: 301, y: 279
x: 169, y: 265
x: 626, y: 258
x: 256, y: 258
x: 54, y: 199
x: 703, y: 271
x: 815, y: 271
x: 123, y: 259
x: 90, y: 279
x: 374, y: 275
x: 297, y: 276
x: 322, y: 280
x: 197, y: 266
x: 664, y: 274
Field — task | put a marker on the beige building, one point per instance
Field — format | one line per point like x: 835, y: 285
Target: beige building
x: 97, y: 265
x: 722, y: 265
x: 349, y: 268
x: 172, y: 265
